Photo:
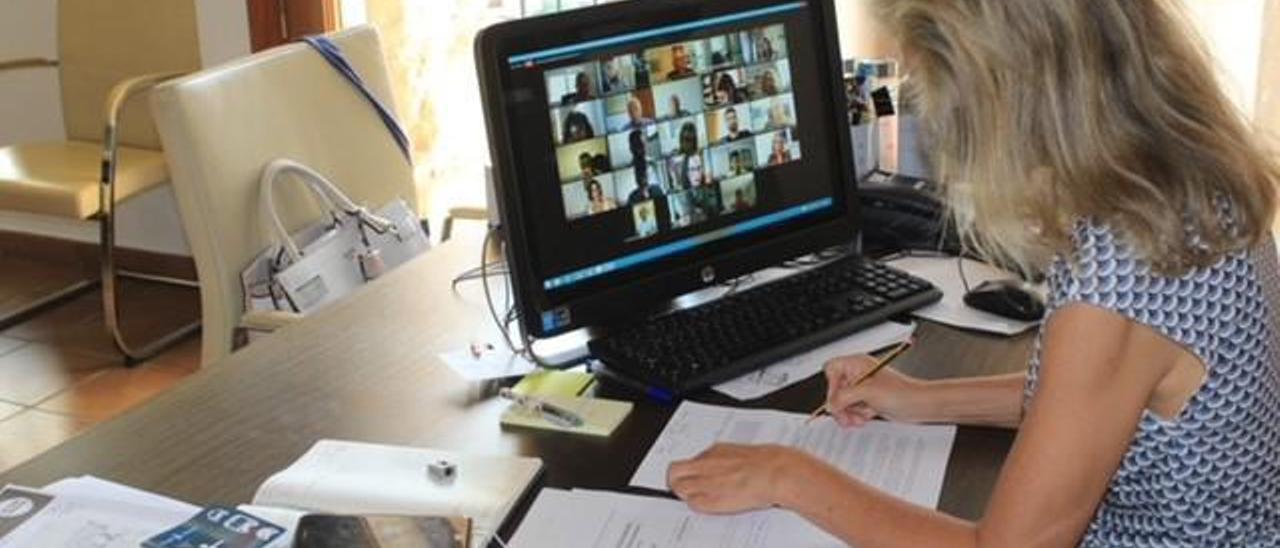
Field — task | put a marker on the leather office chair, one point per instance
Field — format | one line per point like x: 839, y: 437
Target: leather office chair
x: 220, y: 128
x: 109, y: 53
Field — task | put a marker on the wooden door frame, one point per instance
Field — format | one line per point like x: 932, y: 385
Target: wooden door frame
x: 275, y: 22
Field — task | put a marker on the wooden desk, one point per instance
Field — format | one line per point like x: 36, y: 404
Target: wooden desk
x: 367, y: 369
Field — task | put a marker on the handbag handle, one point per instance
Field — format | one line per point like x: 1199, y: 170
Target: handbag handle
x: 334, y: 199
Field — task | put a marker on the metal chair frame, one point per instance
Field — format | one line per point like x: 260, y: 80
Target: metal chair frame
x: 109, y: 274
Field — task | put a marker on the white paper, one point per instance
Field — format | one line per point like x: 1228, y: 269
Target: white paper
x: 71, y: 521
x: 487, y: 361
x: 951, y: 310
x: 587, y: 519
x: 792, y: 370
x: 905, y: 460
x: 359, y: 478
x: 97, y: 488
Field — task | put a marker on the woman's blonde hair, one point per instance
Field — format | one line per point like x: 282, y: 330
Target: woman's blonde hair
x: 1040, y: 113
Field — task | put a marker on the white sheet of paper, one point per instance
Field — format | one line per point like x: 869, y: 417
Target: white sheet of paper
x: 792, y: 370
x: 90, y: 487
x: 906, y: 460
x: 74, y: 521
x: 587, y: 519
x: 943, y: 272
x: 487, y: 361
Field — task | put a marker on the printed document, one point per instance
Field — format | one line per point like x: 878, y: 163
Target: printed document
x: 36, y: 517
x: 906, y: 460
x: 586, y: 519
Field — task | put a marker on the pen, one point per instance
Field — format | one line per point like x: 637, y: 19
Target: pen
x: 552, y: 413
x: 880, y: 363
x: 658, y: 395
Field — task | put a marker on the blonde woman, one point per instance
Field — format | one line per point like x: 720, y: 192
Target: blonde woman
x: 1150, y: 414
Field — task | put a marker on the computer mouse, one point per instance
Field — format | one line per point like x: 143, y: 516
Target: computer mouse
x: 1012, y: 299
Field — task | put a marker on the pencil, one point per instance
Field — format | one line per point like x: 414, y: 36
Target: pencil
x: 880, y: 363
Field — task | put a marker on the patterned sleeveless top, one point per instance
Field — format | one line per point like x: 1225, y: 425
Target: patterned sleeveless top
x: 1211, y: 477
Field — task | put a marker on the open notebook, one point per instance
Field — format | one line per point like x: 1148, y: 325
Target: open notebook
x: 359, y: 478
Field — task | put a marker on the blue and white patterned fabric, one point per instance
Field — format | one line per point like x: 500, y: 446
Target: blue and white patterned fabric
x: 1211, y: 476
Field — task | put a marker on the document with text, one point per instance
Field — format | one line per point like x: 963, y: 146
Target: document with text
x: 908, y: 461
x: 584, y: 519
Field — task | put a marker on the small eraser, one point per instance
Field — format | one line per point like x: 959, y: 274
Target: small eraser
x: 442, y: 471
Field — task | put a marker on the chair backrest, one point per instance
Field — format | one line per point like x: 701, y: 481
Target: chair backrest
x: 101, y: 43
x: 220, y: 128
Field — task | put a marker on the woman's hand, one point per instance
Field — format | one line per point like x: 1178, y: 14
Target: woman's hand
x: 728, y: 478
x: 888, y: 393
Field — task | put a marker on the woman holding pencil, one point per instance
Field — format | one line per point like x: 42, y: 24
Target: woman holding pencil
x: 1090, y: 141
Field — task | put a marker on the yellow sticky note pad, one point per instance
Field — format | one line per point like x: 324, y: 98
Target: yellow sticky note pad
x: 599, y: 416
x: 544, y: 383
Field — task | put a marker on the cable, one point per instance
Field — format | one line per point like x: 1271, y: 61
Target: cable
x: 960, y: 268
x: 474, y: 273
x: 488, y: 297
x: 512, y: 314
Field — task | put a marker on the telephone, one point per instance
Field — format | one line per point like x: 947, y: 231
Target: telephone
x: 903, y: 213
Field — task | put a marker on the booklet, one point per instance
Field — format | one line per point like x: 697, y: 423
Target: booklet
x: 341, y: 477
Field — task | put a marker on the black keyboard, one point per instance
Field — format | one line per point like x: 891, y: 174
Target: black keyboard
x: 693, y: 348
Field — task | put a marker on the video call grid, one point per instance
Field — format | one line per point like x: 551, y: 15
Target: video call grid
x: 729, y: 112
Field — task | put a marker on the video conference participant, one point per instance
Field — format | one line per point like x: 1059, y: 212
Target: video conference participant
x: 688, y: 170
x: 1149, y: 413
x: 635, y: 115
x: 681, y: 63
x: 768, y: 83
x: 646, y: 219
x: 645, y: 190
x: 764, y: 48
x: 741, y: 163
x: 677, y: 109
x: 726, y: 91
x: 576, y: 127
x: 597, y: 202
x: 781, y: 153
x: 592, y: 165
x: 733, y: 129
x: 583, y: 90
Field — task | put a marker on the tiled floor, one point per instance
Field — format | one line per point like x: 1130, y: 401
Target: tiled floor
x: 60, y: 373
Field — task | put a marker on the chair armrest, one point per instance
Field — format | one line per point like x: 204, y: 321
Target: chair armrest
x: 116, y: 99
x: 268, y: 320
x: 126, y: 89
x: 26, y: 63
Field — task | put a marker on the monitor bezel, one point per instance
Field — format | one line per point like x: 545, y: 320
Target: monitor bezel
x: 621, y: 304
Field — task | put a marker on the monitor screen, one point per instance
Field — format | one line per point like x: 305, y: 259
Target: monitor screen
x: 669, y: 140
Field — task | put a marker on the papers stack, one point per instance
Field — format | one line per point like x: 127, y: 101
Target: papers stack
x: 584, y: 519
x: 908, y: 461
x: 905, y: 460
x: 85, y: 511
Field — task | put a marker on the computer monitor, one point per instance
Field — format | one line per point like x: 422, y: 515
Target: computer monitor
x: 644, y: 150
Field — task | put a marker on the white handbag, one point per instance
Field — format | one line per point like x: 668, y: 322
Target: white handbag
x: 332, y: 257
